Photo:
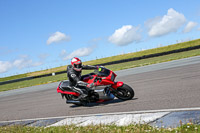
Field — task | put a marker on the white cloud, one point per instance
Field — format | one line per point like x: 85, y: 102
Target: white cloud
x: 24, y: 62
x: 125, y: 35
x: 5, y: 66
x: 80, y: 52
x: 199, y: 28
x: 167, y: 24
x: 189, y: 26
x: 57, y: 37
x: 151, y: 22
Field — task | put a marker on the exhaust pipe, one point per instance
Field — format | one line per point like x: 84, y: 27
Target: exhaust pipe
x: 74, y: 102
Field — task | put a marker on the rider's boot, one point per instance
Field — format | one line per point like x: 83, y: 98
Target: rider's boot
x: 82, y: 96
x: 82, y: 93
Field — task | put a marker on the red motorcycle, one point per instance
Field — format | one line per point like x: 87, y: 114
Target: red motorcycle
x: 106, y: 89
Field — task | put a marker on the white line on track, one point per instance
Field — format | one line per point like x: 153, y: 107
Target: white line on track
x: 104, y: 114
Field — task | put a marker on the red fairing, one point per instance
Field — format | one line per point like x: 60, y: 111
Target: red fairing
x: 105, y: 80
x: 117, y: 84
x: 67, y: 92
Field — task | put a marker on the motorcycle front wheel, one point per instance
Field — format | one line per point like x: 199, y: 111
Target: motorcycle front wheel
x: 125, y: 92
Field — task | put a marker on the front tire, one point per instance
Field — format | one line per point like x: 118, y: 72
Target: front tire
x: 125, y: 92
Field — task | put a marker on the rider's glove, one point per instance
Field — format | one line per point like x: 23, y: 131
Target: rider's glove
x: 97, y: 67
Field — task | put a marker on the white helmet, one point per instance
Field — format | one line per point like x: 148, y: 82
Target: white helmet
x: 76, y: 64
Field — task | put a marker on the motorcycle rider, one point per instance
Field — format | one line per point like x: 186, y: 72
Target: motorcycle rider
x: 75, y: 79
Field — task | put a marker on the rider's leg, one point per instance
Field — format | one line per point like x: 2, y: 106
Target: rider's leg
x: 83, y: 77
x: 86, y: 76
x: 83, y: 93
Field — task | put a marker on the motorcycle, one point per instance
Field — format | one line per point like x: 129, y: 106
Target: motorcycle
x: 107, y: 88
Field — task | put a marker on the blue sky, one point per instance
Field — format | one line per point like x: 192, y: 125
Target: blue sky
x: 41, y: 34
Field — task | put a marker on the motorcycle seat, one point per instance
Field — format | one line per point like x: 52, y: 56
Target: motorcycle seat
x: 65, y: 86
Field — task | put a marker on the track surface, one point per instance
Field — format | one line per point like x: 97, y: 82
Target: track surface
x: 169, y: 85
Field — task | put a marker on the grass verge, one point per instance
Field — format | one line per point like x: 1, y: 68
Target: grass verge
x: 115, y: 67
x: 113, y: 58
x: 138, y: 128
x: 147, y: 52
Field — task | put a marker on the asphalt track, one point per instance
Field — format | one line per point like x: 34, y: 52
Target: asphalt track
x: 168, y: 85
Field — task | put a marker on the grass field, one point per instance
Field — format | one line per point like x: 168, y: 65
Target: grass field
x: 146, y: 52
x: 115, y: 67
x: 138, y: 128
x: 113, y: 58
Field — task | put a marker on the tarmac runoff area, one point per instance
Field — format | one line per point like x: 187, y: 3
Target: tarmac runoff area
x: 156, y: 118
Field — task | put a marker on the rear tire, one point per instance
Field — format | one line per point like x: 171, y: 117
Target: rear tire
x: 125, y: 92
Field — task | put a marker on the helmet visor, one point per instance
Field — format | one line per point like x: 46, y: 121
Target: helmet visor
x: 78, y: 66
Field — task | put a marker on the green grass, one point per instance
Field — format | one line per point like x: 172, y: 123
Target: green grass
x: 13, y: 77
x: 147, y: 52
x: 154, y: 60
x: 33, y: 82
x: 113, y: 58
x: 138, y: 128
x: 116, y: 67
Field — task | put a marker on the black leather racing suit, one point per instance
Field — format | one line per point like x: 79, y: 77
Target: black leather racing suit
x: 75, y: 78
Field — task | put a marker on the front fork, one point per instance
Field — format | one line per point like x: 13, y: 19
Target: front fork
x: 114, y: 87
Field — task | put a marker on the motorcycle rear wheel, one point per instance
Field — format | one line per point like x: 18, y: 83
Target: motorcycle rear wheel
x: 125, y: 92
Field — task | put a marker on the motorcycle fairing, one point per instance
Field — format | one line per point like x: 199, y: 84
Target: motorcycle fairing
x: 117, y: 84
x: 106, y: 80
x: 64, y: 88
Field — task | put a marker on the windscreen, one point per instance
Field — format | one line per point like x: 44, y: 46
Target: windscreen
x: 103, y: 72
